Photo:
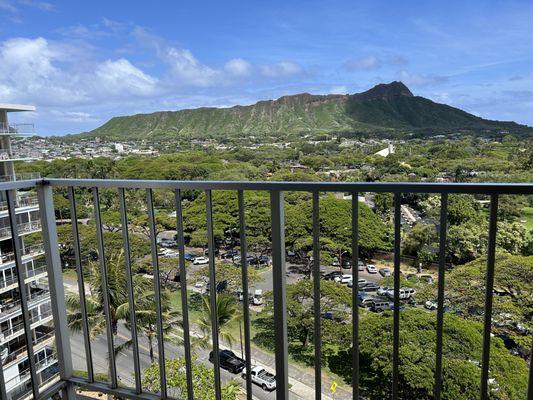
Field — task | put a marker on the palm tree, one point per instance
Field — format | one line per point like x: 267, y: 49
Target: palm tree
x: 119, y: 304
x: 227, y: 314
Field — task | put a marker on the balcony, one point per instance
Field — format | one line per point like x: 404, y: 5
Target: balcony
x: 8, y: 156
x: 22, y: 202
x: 133, y: 388
x: 16, y: 129
x: 22, y: 229
x: 25, y: 176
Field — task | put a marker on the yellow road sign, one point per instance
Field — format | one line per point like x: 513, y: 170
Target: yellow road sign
x: 333, y: 387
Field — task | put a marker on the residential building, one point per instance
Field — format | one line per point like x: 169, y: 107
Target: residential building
x: 13, y: 349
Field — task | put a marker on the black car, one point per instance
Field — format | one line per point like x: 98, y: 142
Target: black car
x: 189, y: 257
x: 332, y: 275
x: 230, y: 254
x: 229, y: 361
x: 252, y: 260
x: 264, y: 260
x: 369, y: 287
x: 346, y: 264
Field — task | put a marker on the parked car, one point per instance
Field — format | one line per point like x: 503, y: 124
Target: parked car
x: 346, y: 264
x: 168, y: 243
x: 380, y: 304
x: 331, y: 316
x: 189, y: 257
x: 360, y: 265
x: 427, y: 278
x: 257, y: 300
x: 332, y: 275
x: 369, y: 287
x: 201, y: 261
x: 335, y: 263
x: 252, y: 260
x: 263, y: 378
x: 264, y: 260
x: 344, y: 278
x: 385, y: 272
x: 230, y: 254
x: 366, y: 302
x: 405, y: 293
x: 371, y: 269
x: 382, y: 291
x: 217, y: 252
x: 430, y: 305
x: 229, y: 361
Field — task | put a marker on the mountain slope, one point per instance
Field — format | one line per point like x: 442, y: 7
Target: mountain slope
x: 386, y: 108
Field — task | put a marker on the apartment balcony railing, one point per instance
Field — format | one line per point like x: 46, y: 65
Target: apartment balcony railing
x: 22, y: 201
x: 25, y: 176
x: 33, y: 250
x: 9, y: 156
x: 17, y: 129
x: 26, y: 227
x: 68, y: 382
x: 16, y: 328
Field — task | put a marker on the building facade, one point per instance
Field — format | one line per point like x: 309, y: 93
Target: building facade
x: 13, y: 352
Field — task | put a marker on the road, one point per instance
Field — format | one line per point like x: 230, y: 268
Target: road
x: 124, y: 360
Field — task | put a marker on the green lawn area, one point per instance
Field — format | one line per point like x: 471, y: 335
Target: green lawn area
x: 527, y: 215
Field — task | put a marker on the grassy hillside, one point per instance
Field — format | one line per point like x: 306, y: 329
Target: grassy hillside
x: 384, y: 108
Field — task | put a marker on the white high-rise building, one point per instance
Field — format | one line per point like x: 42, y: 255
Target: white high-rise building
x: 13, y: 353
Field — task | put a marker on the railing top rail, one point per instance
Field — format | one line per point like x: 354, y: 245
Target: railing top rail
x: 395, y: 187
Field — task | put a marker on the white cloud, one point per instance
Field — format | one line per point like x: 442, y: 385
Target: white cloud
x: 238, y: 67
x: 364, y: 63
x: 120, y: 77
x: 185, y: 69
x: 281, y: 69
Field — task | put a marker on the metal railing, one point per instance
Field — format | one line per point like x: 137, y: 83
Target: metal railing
x: 22, y: 201
x: 20, y: 326
x: 32, y: 250
x: 26, y: 227
x: 276, y: 193
x: 25, y: 176
x: 16, y: 129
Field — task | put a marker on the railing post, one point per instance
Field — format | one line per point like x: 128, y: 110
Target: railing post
x: 55, y: 282
x: 280, y: 301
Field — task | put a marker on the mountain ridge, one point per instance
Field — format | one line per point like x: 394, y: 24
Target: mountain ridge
x: 387, y: 108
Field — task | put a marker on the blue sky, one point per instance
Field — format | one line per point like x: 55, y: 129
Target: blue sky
x: 81, y: 63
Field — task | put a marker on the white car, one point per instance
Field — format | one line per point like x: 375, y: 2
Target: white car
x: 382, y: 291
x: 199, y: 284
x: 405, y: 293
x: 344, y: 278
x: 430, y: 305
x: 263, y: 378
x: 201, y: 261
x: 371, y: 269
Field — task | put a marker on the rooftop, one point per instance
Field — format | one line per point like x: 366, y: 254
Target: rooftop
x: 16, y: 107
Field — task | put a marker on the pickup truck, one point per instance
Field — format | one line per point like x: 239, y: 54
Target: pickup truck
x: 263, y: 378
x: 229, y: 361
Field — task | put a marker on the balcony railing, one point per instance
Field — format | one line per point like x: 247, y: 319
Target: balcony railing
x: 22, y: 201
x: 16, y: 129
x: 69, y: 382
x: 26, y: 227
x: 20, y: 326
x: 32, y: 250
x: 25, y: 176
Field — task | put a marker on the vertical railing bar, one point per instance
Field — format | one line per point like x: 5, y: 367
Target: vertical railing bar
x: 81, y: 284
x: 246, y: 296
x: 3, y: 393
x: 396, y: 311
x: 57, y: 291
x: 157, y: 293
x: 213, y: 292
x: 129, y: 285
x: 355, y: 296
x: 440, y: 293
x: 105, y: 288
x: 183, y: 289
x: 11, y: 196
x: 317, y: 295
x: 489, y: 286
x: 277, y: 216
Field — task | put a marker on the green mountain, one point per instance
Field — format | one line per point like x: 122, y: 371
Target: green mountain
x: 385, y: 109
